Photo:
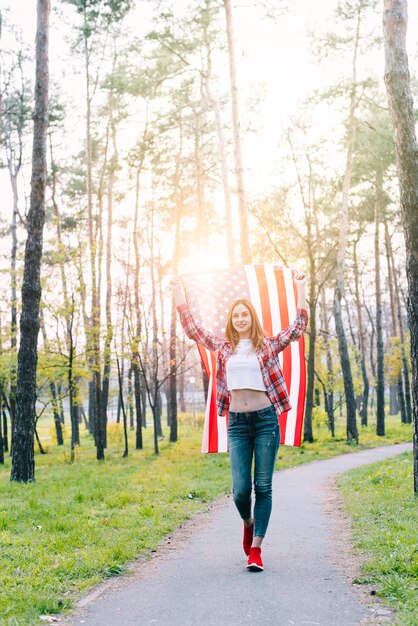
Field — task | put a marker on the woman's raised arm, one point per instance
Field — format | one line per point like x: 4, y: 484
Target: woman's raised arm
x: 193, y: 330
x: 298, y: 327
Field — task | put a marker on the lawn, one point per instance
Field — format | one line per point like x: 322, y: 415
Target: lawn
x: 384, y: 511
x: 81, y: 522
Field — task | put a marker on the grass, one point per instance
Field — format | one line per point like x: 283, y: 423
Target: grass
x: 384, y: 510
x: 82, y: 522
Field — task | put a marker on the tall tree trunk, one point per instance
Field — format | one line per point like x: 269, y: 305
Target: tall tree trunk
x: 307, y: 428
x: 23, y: 461
x: 13, y: 286
x: 380, y: 381
x: 366, y: 385
x: 159, y: 412
x: 400, y: 396
x: 94, y: 334
x: 130, y: 399
x: 125, y: 422
x: 172, y: 408
x: 172, y: 381
x: 329, y: 387
x: 75, y: 435
x: 239, y: 169
x: 62, y: 265
x: 222, y: 150
x: 352, y: 432
x: 182, y: 380
x: 153, y: 388
x: 405, y: 367
x: 3, y: 416
x: 403, y: 119
x: 52, y: 388
x: 135, y: 351
x: 109, y: 327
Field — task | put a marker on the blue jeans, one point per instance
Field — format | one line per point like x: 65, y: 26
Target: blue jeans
x: 257, y: 434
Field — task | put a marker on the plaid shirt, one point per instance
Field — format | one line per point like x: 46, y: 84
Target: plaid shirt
x: 268, y: 358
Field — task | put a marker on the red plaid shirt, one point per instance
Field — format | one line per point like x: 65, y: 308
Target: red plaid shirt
x: 268, y: 358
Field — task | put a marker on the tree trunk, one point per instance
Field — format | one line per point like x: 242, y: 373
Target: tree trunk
x: 135, y: 353
x: 95, y: 416
x: 182, y: 377
x: 405, y: 367
x: 159, y: 412
x: 329, y: 388
x: 352, y: 432
x: 13, y: 280
x: 172, y: 408
x: 397, y: 397
x: 172, y: 381
x: 138, y: 402
x: 125, y: 421
x: 75, y: 433
x: 403, y: 119
x: 222, y: 152
x: 130, y: 399
x: 380, y: 381
x: 23, y: 461
x: 52, y: 388
x: 239, y: 169
x: 366, y: 386
x: 307, y: 422
x: 56, y: 414
x: 109, y: 327
x: 5, y: 432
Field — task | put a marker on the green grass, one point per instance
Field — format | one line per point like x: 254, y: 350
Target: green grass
x: 384, y: 510
x: 82, y: 522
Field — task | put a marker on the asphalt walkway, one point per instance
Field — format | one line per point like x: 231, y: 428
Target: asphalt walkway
x: 204, y: 580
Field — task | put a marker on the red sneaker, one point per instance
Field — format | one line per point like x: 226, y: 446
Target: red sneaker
x: 248, y: 538
x: 255, y: 563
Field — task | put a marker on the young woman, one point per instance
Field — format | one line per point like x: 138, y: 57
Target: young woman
x: 252, y: 390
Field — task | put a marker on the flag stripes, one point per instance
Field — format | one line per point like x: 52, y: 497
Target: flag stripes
x: 272, y: 291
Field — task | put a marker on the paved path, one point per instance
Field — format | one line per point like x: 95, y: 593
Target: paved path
x: 205, y: 581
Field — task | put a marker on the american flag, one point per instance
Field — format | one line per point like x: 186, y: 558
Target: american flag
x: 272, y: 291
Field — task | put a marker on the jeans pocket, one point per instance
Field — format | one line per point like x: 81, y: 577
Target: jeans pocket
x: 267, y: 414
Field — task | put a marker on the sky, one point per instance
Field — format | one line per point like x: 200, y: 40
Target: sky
x: 275, y: 68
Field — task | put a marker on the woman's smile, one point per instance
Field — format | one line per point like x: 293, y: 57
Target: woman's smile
x: 241, y: 319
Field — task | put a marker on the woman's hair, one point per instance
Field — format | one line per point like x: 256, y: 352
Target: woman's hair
x: 257, y: 332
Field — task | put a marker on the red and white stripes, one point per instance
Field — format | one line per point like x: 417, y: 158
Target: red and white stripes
x: 273, y: 293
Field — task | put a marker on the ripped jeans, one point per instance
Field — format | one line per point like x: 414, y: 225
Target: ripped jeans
x: 256, y: 433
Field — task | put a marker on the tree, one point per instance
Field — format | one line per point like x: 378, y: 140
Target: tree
x: 97, y: 16
x: 23, y: 462
x: 239, y: 168
x: 15, y: 116
x: 398, y: 88
x: 354, y: 12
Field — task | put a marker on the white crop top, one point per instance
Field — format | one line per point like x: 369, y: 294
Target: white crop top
x: 243, y: 369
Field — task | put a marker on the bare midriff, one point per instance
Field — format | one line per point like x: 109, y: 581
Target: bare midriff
x: 244, y: 400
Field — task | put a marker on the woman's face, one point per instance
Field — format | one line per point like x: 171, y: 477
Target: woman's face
x: 241, y: 320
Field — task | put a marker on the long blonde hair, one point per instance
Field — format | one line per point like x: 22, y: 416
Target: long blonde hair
x: 257, y: 332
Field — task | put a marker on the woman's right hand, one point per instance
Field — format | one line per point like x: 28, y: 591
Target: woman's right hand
x: 300, y: 278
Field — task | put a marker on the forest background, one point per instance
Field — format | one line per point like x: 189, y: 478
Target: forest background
x: 190, y: 139
x: 187, y: 137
